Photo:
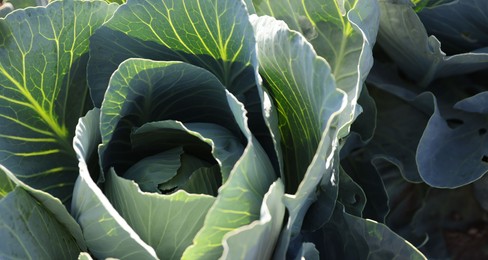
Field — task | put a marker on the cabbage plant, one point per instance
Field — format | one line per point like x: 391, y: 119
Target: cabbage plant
x: 429, y: 145
x: 185, y: 129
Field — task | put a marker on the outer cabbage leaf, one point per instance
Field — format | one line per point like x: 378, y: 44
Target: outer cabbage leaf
x: 453, y: 150
x: 34, y: 224
x: 350, y: 237
x: 421, y: 215
x: 359, y: 168
x: 341, y: 31
x: 364, y: 126
x: 404, y: 200
x: 381, y: 242
x: 43, y: 54
x: 447, y: 146
x: 307, y: 102
x: 460, y: 25
x: 395, y: 139
x: 351, y: 195
x: 215, y: 35
x: 474, y: 104
x: 142, y: 91
x: 106, y: 233
x: 403, y: 36
x: 303, y: 91
x: 258, y: 239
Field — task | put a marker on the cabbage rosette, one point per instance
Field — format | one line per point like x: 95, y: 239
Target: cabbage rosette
x: 190, y: 159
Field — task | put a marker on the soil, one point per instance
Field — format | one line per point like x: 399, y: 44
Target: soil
x: 471, y: 244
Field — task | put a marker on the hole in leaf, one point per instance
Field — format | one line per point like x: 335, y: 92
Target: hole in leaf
x: 482, y: 131
x: 454, y: 122
x: 485, y: 158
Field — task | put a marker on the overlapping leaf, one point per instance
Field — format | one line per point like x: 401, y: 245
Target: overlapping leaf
x: 307, y: 101
x: 342, y: 32
x: 215, y: 35
x: 261, y: 235
x: 105, y: 232
x: 43, y: 91
x: 403, y: 36
x: 34, y: 224
x: 143, y: 91
x: 459, y: 25
x: 355, y: 238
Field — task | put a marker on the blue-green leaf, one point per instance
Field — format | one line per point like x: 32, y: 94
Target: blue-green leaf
x: 215, y: 35
x: 343, y: 32
x: 351, y: 237
x: 459, y: 25
x: 474, y: 104
x: 239, y: 200
x: 43, y: 55
x: 351, y: 195
x: 258, y: 239
x: 34, y: 224
x: 453, y: 155
x: 403, y: 36
x: 106, y: 233
x: 395, y: 139
x: 303, y: 91
x: 359, y: 167
x: 153, y: 170
x: 307, y: 102
x: 225, y: 146
x: 168, y: 223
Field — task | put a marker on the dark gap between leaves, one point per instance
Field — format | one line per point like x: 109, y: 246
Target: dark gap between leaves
x: 454, y: 123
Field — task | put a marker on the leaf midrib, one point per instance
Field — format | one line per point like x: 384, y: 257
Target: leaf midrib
x: 59, y: 131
